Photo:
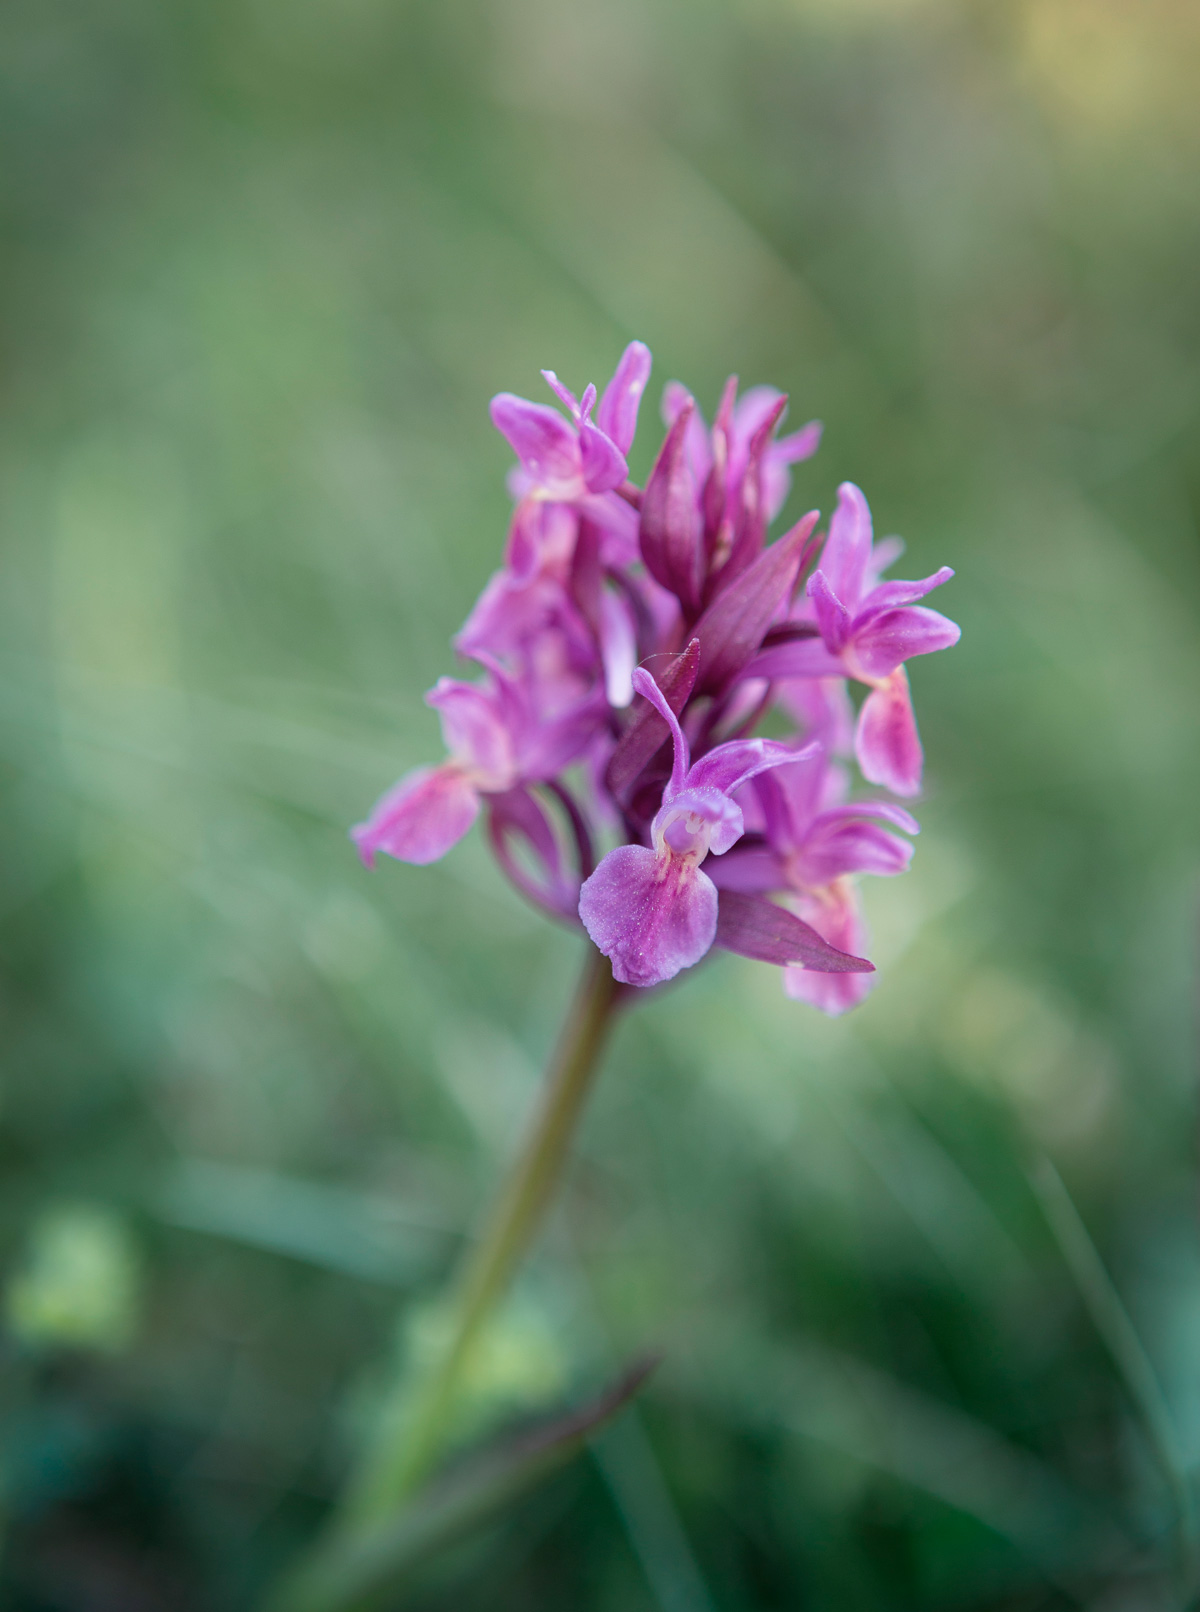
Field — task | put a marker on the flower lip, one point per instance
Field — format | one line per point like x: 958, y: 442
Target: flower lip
x: 697, y: 821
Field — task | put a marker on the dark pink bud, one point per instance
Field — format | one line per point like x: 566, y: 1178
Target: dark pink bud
x: 648, y: 732
x: 670, y: 531
x: 718, y: 534
x: 751, y: 527
x: 732, y: 628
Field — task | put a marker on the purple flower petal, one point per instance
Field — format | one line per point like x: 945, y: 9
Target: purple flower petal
x: 541, y: 537
x: 731, y: 629
x: 886, y: 641
x: 781, y: 455
x: 645, y: 685
x: 618, y: 411
x: 652, y: 915
x: 834, y: 915
x: 648, y: 731
x: 517, y: 814
x: 789, y: 796
x: 797, y: 445
x: 750, y: 517
x: 420, y: 818
x: 730, y: 765
x: 548, y: 744
x: 888, y: 595
x: 822, y: 707
x: 719, y: 517
x: 847, y: 550
x: 770, y: 934
x: 803, y: 657
x: 618, y: 522
x: 832, y: 616
x: 474, y: 729
x: 697, y: 820
x: 839, y: 842
x: 674, y: 400
x: 561, y: 392
x: 618, y: 647
x: 750, y: 870
x: 886, y: 742
x: 604, y: 464
x: 546, y: 445
x: 756, y: 404
x: 670, y: 531
x: 886, y: 811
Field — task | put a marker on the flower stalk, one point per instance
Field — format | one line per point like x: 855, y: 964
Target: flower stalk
x: 399, y: 1464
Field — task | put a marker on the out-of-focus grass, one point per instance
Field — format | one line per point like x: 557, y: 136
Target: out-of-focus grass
x: 264, y: 265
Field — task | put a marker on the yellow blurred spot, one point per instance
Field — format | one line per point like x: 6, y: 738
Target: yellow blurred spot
x: 79, y: 1284
x: 1106, y: 63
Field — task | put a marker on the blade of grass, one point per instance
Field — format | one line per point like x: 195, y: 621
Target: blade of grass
x: 361, y: 1567
x: 629, y: 1468
x: 1119, y: 1336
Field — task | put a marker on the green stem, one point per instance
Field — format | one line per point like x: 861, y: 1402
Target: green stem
x: 403, y: 1458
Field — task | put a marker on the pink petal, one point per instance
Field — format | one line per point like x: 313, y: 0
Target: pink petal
x: 887, y: 595
x: 541, y: 537
x: 546, y: 445
x: 886, y: 641
x: 517, y: 813
x: 834, y: 914
x: 732, y: 627
x: 618, y: 411
x: 549, y: 744
x: 756, y: 404
x: 670, y: 531
x: 618, y: 523
x: 699, y: 454
x: 797, y: 445
x: 474, y: 729
x: 618, y: 647
x: 653, y: 916
x: 840, y: 842
x: 750, y: 870
x: 697, y: 820
x: 885, y: 811
x: 648, y: 731
x: 561, y: 392
x: 885, y: 553
x: 604, y: 464
x: 790, y: 450
x: 832, y: 616
x: 821, y: 705
x: 645, y: 685
x: 420, y: 818
x: 771, y: 934
x: 803, y: 657
x: 789, y: 797
x: 747, y: 511
x: 730, y: 765
x: 886, y: 742
x: 847, y: 550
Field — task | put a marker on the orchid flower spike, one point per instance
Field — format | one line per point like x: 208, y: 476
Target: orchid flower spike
x: 555, y: 749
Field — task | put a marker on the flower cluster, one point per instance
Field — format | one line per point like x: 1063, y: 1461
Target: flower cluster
x: 628, y: 648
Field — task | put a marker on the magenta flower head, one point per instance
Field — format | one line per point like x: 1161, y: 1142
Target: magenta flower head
x: 629, y: 646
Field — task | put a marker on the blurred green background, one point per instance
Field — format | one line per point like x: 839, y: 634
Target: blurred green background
x: 264, y: 265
